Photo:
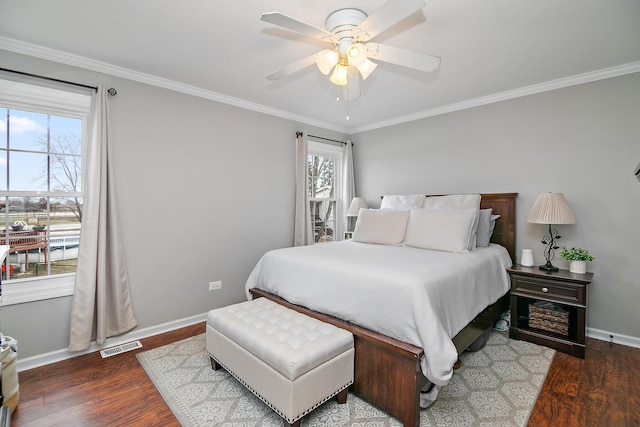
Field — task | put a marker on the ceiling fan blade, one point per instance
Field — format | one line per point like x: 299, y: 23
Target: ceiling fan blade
x: 292, y: 68
x: 402, y: 57
x: 293, y: 24
x: 390, y: 13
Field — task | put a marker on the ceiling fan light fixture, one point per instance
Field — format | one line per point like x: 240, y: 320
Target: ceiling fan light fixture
x: 356, y: 54
x: 339, y: 76
x: 327, y: 59
x: 366, y: 68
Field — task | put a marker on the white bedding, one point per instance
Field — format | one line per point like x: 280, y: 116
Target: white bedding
x: 418, y: 296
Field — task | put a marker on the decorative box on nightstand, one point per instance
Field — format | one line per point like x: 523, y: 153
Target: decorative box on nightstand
x: 549, y: 308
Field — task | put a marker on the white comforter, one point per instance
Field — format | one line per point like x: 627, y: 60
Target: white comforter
x: 418, y: 296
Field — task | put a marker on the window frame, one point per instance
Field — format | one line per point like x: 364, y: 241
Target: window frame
x: 315, y: 148
x: 15, y: 95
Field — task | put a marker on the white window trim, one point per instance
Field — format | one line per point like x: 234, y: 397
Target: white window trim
x: 19, y: 291
x: 22, y: 96
x: 322, y: 149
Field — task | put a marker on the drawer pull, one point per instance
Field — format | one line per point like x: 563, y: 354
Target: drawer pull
x: 545, y: 290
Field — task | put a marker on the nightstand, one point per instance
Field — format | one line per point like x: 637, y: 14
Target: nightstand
x: 549, y: 308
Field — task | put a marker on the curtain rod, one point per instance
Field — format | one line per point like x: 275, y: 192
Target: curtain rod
x: 49, y: 78
x: 322, y: 137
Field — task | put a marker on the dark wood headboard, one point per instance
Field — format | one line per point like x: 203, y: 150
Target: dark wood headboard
x: 503, y: 204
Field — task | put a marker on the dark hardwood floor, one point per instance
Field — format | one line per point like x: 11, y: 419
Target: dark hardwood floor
x: 601, y: 390
x: 91, y: 391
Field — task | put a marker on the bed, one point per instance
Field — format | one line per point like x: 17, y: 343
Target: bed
x: 391, y: 365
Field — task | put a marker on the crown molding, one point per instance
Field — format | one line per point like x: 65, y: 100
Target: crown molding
x: 125, y: 73
x: 113, y: 70
x: 577, y: 79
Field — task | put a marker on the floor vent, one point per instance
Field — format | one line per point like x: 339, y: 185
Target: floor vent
x: 112, y: 351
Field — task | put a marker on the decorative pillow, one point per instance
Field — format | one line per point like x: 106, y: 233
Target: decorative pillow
x: 457, y: 202
x: 439, y: 230
x: 381, y: 226
x: 486, y: 224
x: 402, y: 202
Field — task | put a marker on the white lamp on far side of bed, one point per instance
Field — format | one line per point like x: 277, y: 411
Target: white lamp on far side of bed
x: 354, y: 208
x: 551, y: 208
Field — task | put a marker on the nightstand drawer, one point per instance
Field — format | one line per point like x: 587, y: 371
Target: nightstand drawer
x: 547, y: 289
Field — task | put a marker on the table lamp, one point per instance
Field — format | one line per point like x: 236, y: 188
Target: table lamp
x: 354, y: 208
x: 551, y: 208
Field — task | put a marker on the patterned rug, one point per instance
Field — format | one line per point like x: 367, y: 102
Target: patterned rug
x: 496, y: 386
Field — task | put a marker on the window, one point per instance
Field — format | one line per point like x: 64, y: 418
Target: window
x: 42, y: 133
x: 324, y: 163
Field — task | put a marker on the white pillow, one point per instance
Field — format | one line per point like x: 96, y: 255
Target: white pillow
x: 486, y: 224
x: 381, y: 226
x: 439, y: 230
x: 402, y: 202
x: 457, y: 202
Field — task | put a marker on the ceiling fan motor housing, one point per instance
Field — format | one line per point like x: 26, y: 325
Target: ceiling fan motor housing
x: 341, y: 24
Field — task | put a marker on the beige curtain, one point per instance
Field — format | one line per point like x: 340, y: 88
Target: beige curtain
x: 102, y: 305
x: 303, y: 233
x: 348, y: 183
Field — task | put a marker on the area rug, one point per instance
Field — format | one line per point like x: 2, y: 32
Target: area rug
x: 496, y: 386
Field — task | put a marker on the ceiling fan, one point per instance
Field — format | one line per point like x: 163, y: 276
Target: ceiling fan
x: 350, y: 30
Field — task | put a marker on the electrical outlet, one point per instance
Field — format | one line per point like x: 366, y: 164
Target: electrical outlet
x: 215, y: 285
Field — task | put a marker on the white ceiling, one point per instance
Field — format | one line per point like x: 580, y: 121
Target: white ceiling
x: 490, y: 50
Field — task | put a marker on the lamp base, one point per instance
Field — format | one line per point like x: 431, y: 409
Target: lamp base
x: 549, y: 267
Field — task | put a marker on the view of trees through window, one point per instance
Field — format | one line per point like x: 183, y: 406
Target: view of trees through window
x: 322, y: 197
x: 40, y: 193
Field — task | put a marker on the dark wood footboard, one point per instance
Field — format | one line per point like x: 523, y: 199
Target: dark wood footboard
x: 387, y: 371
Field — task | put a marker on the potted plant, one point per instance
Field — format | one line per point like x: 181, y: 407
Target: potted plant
x: 577, y: 258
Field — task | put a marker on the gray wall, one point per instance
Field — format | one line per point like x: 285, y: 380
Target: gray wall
x: 204, y: 189
x: 583, y: 141
x: 207, y: 188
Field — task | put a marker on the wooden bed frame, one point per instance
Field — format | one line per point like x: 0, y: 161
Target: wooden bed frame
x: 387, y: 371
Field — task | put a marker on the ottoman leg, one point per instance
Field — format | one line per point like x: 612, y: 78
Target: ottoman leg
x: 215, y: 365
x: 285, y: 423
x: 342, y: 396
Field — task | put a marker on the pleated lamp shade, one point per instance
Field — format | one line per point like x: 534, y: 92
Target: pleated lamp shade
x: 551, y: 208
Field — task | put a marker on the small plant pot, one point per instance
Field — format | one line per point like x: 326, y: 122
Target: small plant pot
x: 579, y: 267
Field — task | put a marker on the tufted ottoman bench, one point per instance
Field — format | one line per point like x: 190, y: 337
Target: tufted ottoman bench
x: 290, y: 361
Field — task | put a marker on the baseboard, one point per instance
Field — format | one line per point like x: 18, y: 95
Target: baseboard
x: 613, y: 337
x: 64, y: 354
x: 136, y: 334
